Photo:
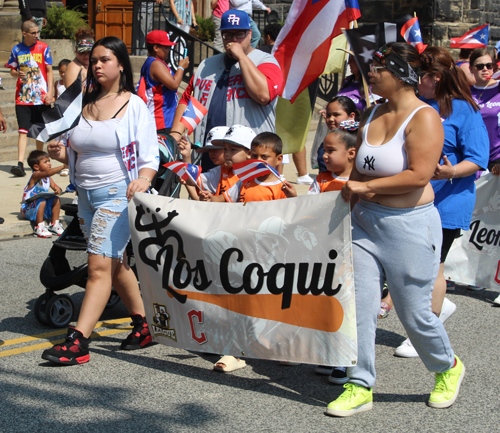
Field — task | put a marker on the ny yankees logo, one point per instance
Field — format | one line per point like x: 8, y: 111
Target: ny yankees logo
x: 370, y: 162
x: 233, y: 19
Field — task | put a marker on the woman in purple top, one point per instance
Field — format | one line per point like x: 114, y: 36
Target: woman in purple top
x: 352, y: 87
x: 486, y: 93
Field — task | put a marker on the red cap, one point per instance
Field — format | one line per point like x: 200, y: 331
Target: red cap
x: 159, y: 37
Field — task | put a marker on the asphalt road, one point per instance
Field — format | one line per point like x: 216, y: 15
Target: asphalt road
x: 161, y: 389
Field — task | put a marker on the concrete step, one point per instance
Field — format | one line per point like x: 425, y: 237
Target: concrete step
x: 8, y: 110
x: 8, y: 146
x: 7, y: 96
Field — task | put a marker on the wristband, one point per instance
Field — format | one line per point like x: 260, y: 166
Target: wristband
x: 147, y: 178
x: 454, y: 172
x: 175, y: 132
x: 180, y: 67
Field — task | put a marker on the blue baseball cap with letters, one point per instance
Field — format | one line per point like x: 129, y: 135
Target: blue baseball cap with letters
x: 234, y: 19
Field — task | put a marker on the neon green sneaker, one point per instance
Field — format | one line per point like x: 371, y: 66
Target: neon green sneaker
x: 447, y: 386
x: 354, y: 399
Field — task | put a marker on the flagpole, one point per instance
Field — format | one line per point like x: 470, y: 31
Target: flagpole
x: 365, y: 84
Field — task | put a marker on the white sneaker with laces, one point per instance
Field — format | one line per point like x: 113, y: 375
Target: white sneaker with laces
x: 56, y: 228
x: 305, y: 180
x: 41, y: 231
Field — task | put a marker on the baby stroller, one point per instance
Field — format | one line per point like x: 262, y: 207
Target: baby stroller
x: 61, y: 270
x: 66, y: 264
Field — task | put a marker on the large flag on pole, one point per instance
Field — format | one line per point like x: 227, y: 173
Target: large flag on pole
x: 64, y: 116
x: 475, y: 38
x: 304, y: 42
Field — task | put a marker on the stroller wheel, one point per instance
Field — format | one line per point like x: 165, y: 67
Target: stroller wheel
x: 113, y: 300
x: 59, y: 311
x: 39, y: 309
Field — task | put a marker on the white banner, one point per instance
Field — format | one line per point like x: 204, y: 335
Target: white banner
x: 269, y: 280
x: 474, y: 257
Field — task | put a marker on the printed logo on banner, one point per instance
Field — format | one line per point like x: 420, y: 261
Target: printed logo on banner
x: 161, y: 321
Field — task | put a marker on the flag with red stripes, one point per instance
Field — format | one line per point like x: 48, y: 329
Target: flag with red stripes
x: 194, y: 113
x: 253, y: 168
x: 412, y: 34
x: 184, y: 170
x: 475, y: 38
x: 303, y: 44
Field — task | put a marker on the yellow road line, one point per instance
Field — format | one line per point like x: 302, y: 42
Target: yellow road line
x: 59, y: 332
x: 46, y: 345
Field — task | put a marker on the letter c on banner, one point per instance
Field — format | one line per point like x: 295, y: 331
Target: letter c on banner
x: 199, y: 315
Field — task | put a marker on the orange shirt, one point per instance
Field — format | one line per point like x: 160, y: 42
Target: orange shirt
x: 218, y: 180
x: 261, y: 191
x: 327, y: 181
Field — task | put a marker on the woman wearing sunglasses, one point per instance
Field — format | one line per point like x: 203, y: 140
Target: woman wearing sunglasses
x: 396, y: 231
x: 444, y: 86
x: 486, y: 93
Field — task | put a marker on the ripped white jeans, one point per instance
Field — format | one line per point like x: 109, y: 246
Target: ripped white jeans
x: 103, y: 216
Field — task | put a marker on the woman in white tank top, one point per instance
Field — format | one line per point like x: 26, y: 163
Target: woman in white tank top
x: 112, y: 154
x: 396, y: 234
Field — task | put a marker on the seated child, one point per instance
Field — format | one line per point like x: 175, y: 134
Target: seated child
x: 266, y: 147
x: 339, y: 155
x: 39, y: 183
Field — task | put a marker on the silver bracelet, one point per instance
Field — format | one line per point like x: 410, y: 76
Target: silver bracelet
x: 147, y: 178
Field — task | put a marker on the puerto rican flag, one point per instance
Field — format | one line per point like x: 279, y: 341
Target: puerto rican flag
x: 303, y: 45
x: 412, y: 34
x: 194, y: 113
x: 475, y: 38
x: 253, y: 168
x: 184, y: 170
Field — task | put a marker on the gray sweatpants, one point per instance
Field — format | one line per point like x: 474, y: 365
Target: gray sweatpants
x: 401, y: 246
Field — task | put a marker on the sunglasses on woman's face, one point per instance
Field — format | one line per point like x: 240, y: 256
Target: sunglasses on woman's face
x: 480, y: 66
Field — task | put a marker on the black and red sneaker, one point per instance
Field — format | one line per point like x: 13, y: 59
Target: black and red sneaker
x: 140, y: 336
x: 75, y: 350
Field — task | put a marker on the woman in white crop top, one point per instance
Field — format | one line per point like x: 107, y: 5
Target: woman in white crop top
x: 396, y: 234
x: 112, y: 153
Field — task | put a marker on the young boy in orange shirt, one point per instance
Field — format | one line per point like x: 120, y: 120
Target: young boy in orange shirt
x: 266, y: 147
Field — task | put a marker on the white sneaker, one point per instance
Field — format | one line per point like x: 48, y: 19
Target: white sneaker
x: 447, y: 310
x: 406, y: 350
x: 305, y: 180
x: 497, y: 300
x: 41, y: 231
x: 56, y: 228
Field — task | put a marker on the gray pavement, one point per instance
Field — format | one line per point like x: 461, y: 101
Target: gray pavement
x: 161, y: 389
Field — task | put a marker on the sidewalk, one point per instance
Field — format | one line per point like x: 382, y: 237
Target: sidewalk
x: 12, y: 192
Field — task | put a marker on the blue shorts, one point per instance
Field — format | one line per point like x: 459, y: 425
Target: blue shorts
x: 30, y: 210
x: 103, y: 216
